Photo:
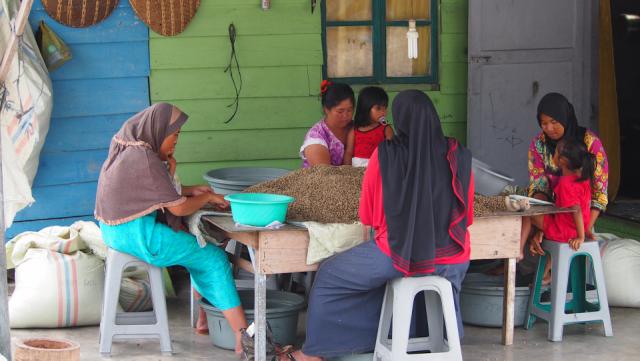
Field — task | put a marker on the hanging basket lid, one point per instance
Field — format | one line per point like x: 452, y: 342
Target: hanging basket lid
x: 166, y: 17
x: 79, y: 13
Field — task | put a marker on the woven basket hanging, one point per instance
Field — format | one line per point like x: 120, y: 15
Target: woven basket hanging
x: 79, y: 13
x: 166, y: 17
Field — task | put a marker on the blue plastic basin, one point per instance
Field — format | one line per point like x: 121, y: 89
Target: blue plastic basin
x: 258, y: 209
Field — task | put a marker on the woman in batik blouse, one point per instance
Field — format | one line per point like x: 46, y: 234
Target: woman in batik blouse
x: 557, y: 119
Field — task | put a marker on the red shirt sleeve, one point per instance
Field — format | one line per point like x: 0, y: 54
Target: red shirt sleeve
x: 470, y: 199
x: 367, y: 193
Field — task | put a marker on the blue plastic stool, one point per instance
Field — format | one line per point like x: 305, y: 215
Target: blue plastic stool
x: 569, y: 268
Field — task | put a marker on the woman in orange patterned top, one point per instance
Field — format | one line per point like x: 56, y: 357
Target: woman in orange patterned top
x: 558, y: 121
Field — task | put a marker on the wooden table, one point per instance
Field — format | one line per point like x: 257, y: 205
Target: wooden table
x: 284, y: 250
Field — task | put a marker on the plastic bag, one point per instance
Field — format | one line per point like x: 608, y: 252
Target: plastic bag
x: 54, y: 51
x: 248, y: 344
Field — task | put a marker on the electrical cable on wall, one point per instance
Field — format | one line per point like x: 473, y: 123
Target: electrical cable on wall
x: 234, y: 58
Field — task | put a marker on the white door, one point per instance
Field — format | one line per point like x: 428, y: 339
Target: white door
x: 519, y: 50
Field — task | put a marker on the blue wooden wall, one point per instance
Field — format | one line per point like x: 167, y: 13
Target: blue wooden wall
x: 105, y: 83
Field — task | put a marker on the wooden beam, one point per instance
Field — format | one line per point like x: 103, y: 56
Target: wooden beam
x: 608, y: 121
x: 20, y: 22
x: 508, y: 303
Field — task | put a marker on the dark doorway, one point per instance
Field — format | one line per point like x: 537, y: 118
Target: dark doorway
x: 626, y: 39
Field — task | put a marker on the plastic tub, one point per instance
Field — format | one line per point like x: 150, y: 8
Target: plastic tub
x: 258, y: 209
x: 235, y: 180
x: 488, y: 181
x: 283, y: 309
x: 481, y: 301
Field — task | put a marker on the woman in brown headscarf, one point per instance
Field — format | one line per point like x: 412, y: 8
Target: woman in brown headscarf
x: 139, y: 208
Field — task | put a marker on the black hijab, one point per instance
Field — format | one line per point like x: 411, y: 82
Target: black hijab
x: 558, y: 107
x: 425, y: 182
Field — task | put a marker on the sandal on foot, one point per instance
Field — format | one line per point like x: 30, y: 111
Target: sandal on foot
x: 288, y: 356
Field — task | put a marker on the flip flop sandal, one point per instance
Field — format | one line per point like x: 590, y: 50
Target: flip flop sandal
x: 289, y: 355
x: 79, y: 13
x: 286, y: 351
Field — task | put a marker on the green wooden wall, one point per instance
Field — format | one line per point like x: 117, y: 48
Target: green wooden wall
x: 280, y: 56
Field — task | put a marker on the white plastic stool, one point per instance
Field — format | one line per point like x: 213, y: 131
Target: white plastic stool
x: 132, y: 325
x: 398, y: 302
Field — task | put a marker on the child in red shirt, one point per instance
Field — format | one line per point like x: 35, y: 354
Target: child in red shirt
x: 572, y: 190
x: 369, y: 126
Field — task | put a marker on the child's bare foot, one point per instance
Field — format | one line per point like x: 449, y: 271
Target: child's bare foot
x: 546, y: 278
x: 538, y: 237
x: 535, y: 246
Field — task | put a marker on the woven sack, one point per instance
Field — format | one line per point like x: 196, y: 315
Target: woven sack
x: 57, y: 283
x: 166, y: 17
x: 135, y: 295
x: 79, y: 13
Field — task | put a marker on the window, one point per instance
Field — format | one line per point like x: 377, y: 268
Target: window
x: 364, y: 41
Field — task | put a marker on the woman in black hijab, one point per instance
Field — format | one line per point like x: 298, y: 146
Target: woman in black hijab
x: 417, y: 194
x: 557, y: 118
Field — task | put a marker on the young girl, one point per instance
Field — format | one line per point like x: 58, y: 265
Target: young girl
x: 140, y: 208
x: 572, y: 189
x: 370, y: 127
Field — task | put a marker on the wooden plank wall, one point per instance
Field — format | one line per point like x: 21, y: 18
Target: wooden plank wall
x: 280, y: 56
x: 104, y: 84
x: 451, y: 99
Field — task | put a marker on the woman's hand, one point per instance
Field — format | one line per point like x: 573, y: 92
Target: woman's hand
x: 595, y: 213
x: 589, y: 235
x: 200, y: 189
x: 218, y: 201
x: 193, y: 191
x: 541, y: 196
x: 173, y: 164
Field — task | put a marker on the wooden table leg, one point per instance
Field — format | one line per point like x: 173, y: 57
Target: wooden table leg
x: 508, y: 304
x: 260, y: 311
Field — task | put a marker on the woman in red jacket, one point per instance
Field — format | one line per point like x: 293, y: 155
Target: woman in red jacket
x: 417, y: 194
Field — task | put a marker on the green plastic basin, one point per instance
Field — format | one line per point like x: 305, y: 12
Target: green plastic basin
x: 258, y: 209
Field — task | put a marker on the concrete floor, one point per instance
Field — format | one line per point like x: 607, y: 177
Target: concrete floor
x: 581, y: 343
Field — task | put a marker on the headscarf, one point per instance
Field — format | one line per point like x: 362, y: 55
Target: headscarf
x: 134, y: 181
x: 425, y: 182
x: 559, y: 108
